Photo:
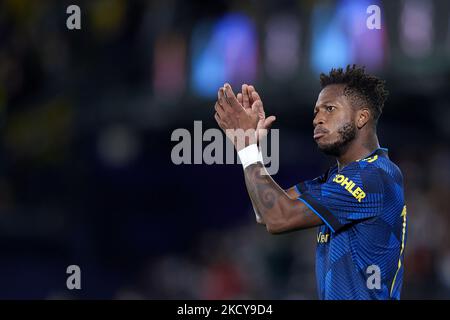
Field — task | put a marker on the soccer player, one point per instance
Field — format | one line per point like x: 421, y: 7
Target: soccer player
x: 358, y: 204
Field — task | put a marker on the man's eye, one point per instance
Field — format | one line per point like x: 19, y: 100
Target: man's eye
x: 330, y: 108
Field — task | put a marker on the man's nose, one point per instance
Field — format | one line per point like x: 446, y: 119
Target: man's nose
x: 318, y: 119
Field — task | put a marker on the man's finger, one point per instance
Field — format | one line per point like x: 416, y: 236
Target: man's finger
x: 255, y: 95
x: 265, y: 124
x: 250, y: 90
x: 239, y: 97
x: 219, y: 109
x: 232, y: 100
x: 219, y: 121
x: 223, y: 101
x: 269, y: 121
x: 217, y: 117
x: 257, y: 107
x: 245, y: 97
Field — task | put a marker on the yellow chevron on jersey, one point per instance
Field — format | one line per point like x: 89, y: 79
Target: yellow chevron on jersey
x: 370, y: 159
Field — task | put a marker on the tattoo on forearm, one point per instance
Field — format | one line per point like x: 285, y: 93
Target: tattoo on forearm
x: 261, y: 188
x: 273, y: 204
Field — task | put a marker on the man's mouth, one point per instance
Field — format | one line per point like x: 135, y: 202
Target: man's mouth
x: 317, y: 136
x: 319, y: 133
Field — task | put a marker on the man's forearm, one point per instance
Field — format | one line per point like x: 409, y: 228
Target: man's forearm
x: 269, y: 200
x: 259, y: 218
x: 279, y: 212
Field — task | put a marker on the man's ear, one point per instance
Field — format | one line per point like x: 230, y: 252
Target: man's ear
x: 363, y: 117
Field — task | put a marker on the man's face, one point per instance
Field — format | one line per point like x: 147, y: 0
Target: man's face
x: 334, y: 123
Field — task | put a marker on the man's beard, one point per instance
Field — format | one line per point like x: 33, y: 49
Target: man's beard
x: 346, y: 134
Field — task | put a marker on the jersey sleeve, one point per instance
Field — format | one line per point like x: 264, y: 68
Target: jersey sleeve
x: 356, y: 193
x: 307, y: 185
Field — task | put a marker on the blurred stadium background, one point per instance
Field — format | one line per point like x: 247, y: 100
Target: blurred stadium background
x: 86, y: 117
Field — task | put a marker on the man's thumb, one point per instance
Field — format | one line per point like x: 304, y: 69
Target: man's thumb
x: 269, y: 121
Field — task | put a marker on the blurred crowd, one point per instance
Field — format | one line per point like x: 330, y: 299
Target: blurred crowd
x: 86, y: 177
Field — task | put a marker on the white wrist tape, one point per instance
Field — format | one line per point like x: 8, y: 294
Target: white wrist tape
x: 250, y: 155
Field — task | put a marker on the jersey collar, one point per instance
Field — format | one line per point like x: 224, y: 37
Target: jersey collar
x: 381, y: 152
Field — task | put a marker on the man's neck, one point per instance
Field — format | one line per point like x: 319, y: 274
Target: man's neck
x: 358, y: 149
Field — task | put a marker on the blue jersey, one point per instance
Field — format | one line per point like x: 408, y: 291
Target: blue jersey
x: 361, y: 245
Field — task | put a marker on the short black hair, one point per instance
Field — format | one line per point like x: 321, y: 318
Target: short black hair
x: 360, y: 87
